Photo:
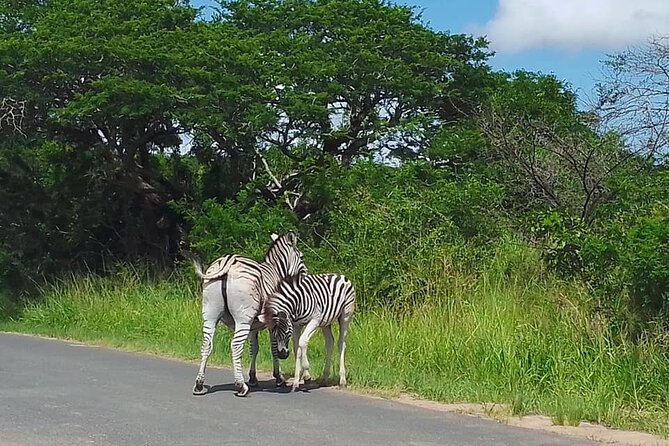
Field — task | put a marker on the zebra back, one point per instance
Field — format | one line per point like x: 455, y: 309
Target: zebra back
x: 321, y: 296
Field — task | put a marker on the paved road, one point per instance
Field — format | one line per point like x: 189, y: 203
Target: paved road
x: 62, y: 393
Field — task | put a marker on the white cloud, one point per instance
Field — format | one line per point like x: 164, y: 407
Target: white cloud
x: 607, y: 25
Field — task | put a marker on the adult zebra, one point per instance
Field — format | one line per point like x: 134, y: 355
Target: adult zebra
x: 314, y: 300
x: 233, y: 292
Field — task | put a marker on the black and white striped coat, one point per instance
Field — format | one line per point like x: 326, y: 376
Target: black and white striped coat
x: 302, y: 304
x: 233, y: 292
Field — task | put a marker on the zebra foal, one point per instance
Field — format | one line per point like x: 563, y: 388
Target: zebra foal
x: 310, y: 301
x: 233, y: 292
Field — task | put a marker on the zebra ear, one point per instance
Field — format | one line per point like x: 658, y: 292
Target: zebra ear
x: 274, y: 236
x: 292, y: 238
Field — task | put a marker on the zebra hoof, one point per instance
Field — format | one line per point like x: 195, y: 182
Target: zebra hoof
x: 253, y: 381
x: 295, y: 388
x: 280, y: 381
x: 199, y: 388
x: 242, y: 390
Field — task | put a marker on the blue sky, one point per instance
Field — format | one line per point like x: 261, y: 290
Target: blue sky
x: 567, y: 38
x: 579, y: 67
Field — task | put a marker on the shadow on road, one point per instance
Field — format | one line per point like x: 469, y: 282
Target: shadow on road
x: 264, y: 386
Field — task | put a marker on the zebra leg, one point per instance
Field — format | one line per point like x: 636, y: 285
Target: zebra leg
x: 301, y: 360
x: 237, y: 348
x: 344, y: 321
x: 278, y: 376
x: 208, y: 331
x: 329, y: 342
x: 253, y: 350
x: 297, y: 331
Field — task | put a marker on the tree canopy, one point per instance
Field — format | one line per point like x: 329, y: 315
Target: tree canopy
x: 131, y: 127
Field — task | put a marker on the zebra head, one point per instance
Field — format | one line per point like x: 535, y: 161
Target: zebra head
x: 286, y: 256
x: 281, y: 329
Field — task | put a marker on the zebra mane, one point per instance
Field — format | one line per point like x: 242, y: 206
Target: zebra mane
x: 276, y: 239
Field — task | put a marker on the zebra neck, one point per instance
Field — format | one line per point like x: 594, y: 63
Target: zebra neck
x: 298, y: 310
x: 275, y: 263
x: 290, y: 307
x: 270, y: 278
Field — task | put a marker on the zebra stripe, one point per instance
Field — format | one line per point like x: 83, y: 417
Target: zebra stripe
x: 233, y: 292
x: 302, y: 304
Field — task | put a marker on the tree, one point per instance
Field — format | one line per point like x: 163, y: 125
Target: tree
x: 92, y: 89
x: 531, y: 121
x: 358, y: 77
x: 229, y: 95
x: 633, y: 98
x: 337, y: 78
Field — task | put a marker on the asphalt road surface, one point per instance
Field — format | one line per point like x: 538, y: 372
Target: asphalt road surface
x: 64, y: 393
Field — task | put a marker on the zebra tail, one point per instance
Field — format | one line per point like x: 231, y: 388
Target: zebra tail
x: 198, y: 267
x: 197, y: 262
x: 216, y: 270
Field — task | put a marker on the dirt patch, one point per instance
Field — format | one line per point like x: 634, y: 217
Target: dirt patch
x: 584, y: 430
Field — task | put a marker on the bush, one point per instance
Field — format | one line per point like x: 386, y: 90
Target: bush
x: 393, y: 229
x: 239, y: 227
x: 626, y: 262
x: 645, y: 258
x: 14, y: 275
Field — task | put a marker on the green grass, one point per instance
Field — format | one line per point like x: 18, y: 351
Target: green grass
x: 526, y: 340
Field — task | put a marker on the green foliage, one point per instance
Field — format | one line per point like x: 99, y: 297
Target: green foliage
x: 237, y: 227
x: 90, y: 90
x: 549, y: 153
x: 629, y: 251
x: 388, y: 223
x: 460, y: 148
x: 95, y: 96
x: 371, y: 63
x: 646, y: 262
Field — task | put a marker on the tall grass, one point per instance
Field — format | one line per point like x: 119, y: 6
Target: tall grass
x: 511, y: 334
